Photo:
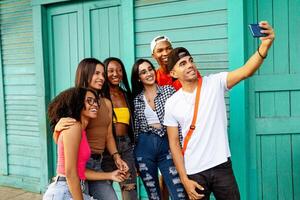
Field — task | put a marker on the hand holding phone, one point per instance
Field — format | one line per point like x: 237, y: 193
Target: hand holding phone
x: 255, y: 30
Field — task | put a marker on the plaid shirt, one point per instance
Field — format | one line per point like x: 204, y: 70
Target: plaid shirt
x: 140, y: 121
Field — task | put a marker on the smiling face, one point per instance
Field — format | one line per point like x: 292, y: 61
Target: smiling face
x: 114, y: 73
x: 97, y: 80
x: 161, y: 52
x: 91, y: 106
x: 185, y: 69
x: 146, y: 74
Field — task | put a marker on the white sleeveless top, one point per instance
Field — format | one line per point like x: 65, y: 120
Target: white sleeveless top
x: 150, y: 114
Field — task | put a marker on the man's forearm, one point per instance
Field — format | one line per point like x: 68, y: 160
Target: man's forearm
x: 178, y: 161
x: 256, y: 60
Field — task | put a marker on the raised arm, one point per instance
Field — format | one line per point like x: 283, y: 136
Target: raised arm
x: 189, y: 185
x: 255, y: 61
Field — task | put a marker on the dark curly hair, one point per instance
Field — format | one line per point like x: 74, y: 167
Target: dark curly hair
x: 68, y: 103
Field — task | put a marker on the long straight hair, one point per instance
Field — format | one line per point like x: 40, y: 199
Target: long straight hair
x: 85, y: 71
x: 137, y: 85
x: 124, y: 85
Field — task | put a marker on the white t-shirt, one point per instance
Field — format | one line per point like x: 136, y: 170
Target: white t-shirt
x: 208, y: 146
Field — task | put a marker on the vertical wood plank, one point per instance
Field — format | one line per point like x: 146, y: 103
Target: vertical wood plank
x: 265, y: 13
x: 104, y: 33
x: 42, y: 89
x: 95, y: 27
x: 284, y: 167
x: 282, y: 104
x: 267, y: 104
x: 281, y: 49
x: 294, y: 28
x: 3, y: 131
x: 74, y: 41
x: 61, y: 52
x: 259, y: 168
x: 269, y: 168
x: 295, y: 105
x: 296, y: 165
x: 114, y: 31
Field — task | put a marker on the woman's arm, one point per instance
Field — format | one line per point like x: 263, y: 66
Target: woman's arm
x: 71, y: 141
x: 116, y: 175
x: 63, y: 124
x: 111, y: 144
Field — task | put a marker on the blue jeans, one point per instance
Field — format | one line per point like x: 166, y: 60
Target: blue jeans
x: 125, y: 149
x: 152, y: 153
x: 60, y: 191
x: 100, y: 190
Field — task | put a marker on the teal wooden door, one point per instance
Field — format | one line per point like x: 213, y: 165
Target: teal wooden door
x: 78, y: 30
x: 274, y: 95
x: 65, y: 42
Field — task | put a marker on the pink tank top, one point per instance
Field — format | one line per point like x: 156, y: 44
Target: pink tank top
x: 84, y: 154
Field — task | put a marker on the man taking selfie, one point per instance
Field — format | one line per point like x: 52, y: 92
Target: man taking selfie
x: 203, y: 161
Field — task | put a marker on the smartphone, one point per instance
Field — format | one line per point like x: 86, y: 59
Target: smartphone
x: 255, y: 30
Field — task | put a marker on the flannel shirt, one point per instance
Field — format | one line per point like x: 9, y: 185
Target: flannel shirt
x: 140, y: 121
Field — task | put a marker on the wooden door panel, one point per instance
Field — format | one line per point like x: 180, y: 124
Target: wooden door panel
x: 275, y: 91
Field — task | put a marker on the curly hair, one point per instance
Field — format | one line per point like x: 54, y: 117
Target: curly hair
x: 68, y: 103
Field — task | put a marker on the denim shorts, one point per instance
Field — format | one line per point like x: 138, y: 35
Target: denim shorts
x: 59, y: 190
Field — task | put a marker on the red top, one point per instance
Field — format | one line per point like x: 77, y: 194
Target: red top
x: 165, y: 79
x: 84, y: 153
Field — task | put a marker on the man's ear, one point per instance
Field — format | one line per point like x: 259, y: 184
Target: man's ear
x: 153, y: 56
x: 173, y: 74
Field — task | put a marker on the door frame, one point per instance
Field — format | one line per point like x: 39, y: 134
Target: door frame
x: 39, y: 14
x: 238, y: 124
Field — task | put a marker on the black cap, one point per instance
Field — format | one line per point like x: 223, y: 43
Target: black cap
x: 175, y: 55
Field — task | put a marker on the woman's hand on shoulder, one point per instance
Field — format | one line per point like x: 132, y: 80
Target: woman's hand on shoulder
x: 64, y: 124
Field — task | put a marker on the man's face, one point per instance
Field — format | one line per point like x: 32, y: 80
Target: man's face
x: 184, y: 70
x: 161, y: 52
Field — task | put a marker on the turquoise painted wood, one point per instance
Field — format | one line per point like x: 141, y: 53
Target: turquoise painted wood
x: 238, y: 113
x: 18, y: 105
x: 273, y: 111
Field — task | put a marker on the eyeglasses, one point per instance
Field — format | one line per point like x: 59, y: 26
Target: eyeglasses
x: 144, y: 71
x: 91, y: 101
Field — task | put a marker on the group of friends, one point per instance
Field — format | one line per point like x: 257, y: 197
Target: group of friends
x: 173, y: 120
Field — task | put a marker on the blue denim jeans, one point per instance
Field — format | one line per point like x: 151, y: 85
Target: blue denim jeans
x: 152, y: 153
x: 100, y: 190
x: 60, y: 191
x: 125, y: 149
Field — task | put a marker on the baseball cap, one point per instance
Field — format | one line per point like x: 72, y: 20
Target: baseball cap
x: 175, y: 55
x: 158, y: 39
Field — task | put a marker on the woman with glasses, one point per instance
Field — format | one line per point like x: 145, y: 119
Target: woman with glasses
x: 90, y: 74
x: 117, y: 89
x: 152, y: 150
x: 73, y: 149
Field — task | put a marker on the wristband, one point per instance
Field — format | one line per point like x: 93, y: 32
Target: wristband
x: 113, y: 155
x: 263, y: 57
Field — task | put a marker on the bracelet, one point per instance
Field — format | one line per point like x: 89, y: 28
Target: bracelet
x: 263, y: 57
x: 113, y: 155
